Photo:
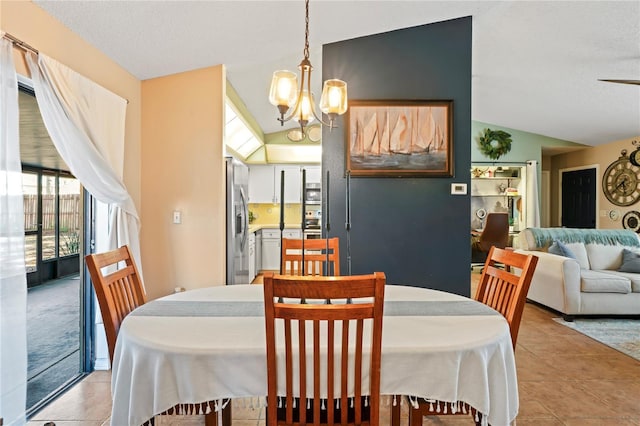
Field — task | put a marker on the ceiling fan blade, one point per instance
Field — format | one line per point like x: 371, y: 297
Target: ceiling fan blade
x: 637, y: 82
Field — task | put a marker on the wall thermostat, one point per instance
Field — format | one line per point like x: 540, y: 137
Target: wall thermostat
x: 458, y: 188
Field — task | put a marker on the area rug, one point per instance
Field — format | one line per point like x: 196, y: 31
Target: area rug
x: 620, y: 334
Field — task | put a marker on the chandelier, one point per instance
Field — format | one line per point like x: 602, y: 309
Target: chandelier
x: 284, y: 92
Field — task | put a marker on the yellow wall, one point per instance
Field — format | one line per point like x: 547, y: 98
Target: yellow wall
x: 600, y: 156
x: 182, y: 133
x: 34, y: 26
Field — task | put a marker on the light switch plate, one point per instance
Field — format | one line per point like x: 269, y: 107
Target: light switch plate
x: 177, y: 217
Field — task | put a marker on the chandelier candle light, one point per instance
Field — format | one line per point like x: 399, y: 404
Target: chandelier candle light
x: 284, y: 92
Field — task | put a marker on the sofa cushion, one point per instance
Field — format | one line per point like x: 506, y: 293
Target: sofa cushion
x: 630, y: 261
x: 604, y: 282
x: 633, y: 277
x: 605, y: 257
x: 575, y: 251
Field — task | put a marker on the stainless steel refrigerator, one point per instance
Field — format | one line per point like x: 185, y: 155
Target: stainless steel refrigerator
x: 237, y: 222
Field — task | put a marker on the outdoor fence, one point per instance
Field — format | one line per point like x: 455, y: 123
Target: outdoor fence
x: 69, y: 212
x: 69, y: 225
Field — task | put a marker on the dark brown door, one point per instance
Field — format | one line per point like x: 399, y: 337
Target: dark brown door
x: 579, y: 199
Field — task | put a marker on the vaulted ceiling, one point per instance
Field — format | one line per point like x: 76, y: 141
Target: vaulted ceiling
x: 536, y: 64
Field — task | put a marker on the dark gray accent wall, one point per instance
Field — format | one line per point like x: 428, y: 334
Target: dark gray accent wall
x: 412, y: 229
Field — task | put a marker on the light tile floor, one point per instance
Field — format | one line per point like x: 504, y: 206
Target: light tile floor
x: 564, y: 377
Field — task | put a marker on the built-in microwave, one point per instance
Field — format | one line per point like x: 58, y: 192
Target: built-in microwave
x: 313, y: 193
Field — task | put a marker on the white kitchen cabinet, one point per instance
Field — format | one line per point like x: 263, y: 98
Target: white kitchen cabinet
x: 314, y: 174
x: 252, y: 256
x: 261, y: 184
x: 270, y: 249
x: 258, y: 251
x: 264, y: 184
x: 292, y: 233
x: 292, y: 183
x: 271, y: 246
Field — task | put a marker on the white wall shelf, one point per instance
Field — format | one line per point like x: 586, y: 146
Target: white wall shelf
x: 489, y: 193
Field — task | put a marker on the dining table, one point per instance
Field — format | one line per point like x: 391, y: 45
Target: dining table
x: 208, y: 344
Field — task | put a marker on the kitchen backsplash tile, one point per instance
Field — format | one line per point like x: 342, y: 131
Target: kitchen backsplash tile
x: 268, y: 214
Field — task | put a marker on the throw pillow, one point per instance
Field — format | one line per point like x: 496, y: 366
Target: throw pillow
x: 630, y: 262
x: 561, y: 249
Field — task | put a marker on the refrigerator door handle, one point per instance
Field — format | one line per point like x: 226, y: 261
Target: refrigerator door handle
x: 245, y: 224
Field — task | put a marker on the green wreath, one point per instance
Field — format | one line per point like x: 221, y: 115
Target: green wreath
x: 495, y: 143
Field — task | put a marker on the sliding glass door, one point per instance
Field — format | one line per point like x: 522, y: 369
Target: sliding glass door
x: 52, y: 204
x: 58, y: 329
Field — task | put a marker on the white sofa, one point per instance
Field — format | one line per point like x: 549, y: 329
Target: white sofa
x: 589, y: 283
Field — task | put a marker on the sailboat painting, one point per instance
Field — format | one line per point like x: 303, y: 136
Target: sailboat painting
x: 399, y: 138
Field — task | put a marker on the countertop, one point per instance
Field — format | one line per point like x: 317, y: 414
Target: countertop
x: 254, y: 227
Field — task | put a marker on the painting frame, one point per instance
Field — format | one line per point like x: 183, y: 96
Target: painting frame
x: 399, y: 138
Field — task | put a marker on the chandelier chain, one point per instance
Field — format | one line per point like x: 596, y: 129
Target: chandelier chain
x: 306, y: 31
x: 284, y: 94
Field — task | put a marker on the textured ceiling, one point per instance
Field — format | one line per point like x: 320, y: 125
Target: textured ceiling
x: 536, y: 64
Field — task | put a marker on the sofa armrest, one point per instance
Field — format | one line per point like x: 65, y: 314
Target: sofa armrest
x: 555, y: 282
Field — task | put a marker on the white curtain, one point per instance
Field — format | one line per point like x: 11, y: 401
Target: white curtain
x: 532, y: 202
x: 13, y: 278
x: 86, y: 124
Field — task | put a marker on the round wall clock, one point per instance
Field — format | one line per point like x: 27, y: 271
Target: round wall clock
x: 631, y: 220
x: 621, y: 181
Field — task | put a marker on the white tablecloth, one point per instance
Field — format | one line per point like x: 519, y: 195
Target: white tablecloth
x: 203, y: 345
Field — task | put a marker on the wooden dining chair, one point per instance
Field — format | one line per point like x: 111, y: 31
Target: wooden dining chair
x: 321, y: 257
x: 321, y: 347
x: 119, y: 290
x: 503, y: 285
